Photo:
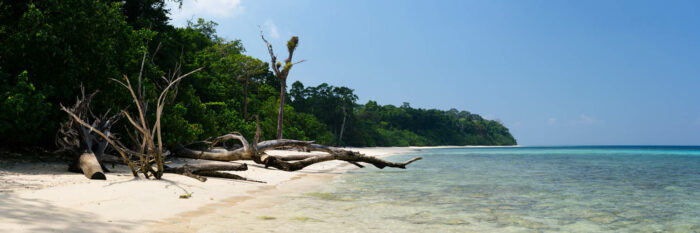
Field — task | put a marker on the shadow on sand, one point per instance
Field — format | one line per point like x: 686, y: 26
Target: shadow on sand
x: 31, y: 215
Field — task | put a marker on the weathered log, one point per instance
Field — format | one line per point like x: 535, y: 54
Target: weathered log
x: 77, y: 119
x: 78, y: 137
x: 333, y: 154
x: 226, y: 176
x: 92, y: 169
x: 232, y: 136
x: 274, y: 144
x: 256, y: 152
x: 244, y: 153
x: 208, y: 167
x: 287, y: 163
x: 199, y: 171
x: 302, y: 157
x: 238, y: 154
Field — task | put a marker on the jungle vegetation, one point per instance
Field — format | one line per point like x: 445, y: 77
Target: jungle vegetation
x: 50, y: 48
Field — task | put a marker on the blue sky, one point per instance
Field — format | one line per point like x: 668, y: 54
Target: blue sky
x: 554, y: 72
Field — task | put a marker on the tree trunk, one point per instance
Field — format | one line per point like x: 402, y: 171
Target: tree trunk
x: 333, y: 154
x: 256, y: 152
x: 245, y: 98
x: 238, y: 154
x: 280, y: 114
x: 342, y: 126
x: 244, y: 153
x: 199, y: 171
x: 90, y: 166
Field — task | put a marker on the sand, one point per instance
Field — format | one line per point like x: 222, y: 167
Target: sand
x: 43, y: 197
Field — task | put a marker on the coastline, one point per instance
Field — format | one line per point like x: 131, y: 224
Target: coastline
x: 44, y: 197
x: 447, y: 147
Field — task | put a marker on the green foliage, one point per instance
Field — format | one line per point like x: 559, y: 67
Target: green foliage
x: 327, y: 103
x: 375, y: 125
x: 142, y: 14
x: 292, y: 43
x: 63, y: 44
x: 433, y: 127
x: 23, y: 118
x: 207, y: 28
x: 49, y: 48
x: 177, y: 128
x: 302, y: 126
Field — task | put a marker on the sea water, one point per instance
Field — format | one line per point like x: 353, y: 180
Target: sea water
x: 511, y: 189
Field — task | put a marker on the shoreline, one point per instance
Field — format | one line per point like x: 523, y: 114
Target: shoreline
x: 448, y: 147
x: 45, y: 197
x: 309, y: 179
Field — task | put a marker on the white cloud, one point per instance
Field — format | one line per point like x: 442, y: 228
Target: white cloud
x: 207, y: 9
x: 551, y: 121
x: 586, y: 120
x: 272, y: 29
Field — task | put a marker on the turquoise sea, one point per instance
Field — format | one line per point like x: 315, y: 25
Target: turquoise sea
x: 513, y: 189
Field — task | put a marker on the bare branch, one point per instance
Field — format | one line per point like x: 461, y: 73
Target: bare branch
x: 299, y: 62
x: 105, y: 137
x: 273, y: 58
x: 256, y: 152
x: 156, y: 52
x: 234, y: 135
x: 198, y: 171
x: 140, y: 90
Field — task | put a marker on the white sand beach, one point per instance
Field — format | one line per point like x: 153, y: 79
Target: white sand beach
x: 44, y: 197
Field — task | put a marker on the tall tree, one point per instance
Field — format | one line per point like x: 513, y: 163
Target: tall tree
x: 60, y: 44
x: 150, y: 14
x: 282, y: 74
x: 248, y: 67
x: 346, y: 99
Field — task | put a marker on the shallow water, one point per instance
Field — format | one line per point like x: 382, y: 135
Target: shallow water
x: 522, y: 189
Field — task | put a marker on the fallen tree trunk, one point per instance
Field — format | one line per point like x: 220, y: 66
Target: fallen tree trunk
x: 90, y: 167
x: 208, y: 167
x: 77, y: 135
x: 79, y: 138
x: 244, y: 153
x: 199, y: 171
x: 292, y: 164
x: 256, y: 152
x: 238, y: 154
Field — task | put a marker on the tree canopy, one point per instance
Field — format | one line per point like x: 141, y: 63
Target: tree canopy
x: 50, y: 48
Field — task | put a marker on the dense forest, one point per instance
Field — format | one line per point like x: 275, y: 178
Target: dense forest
x: 50, y: 48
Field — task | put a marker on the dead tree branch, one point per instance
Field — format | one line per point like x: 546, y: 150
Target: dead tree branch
x: 282, y: 74
x: 199, y: 171
x: 256, y: 152
x: 89, y: 141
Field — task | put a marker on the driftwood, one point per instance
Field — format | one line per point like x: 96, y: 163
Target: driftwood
x: 256, y: 152
x: 90, y: 167
x: 199, y: 171
x: 89, y: 140
x: 333, y: 154
x: 289, y: 163
x: 82, y: 141
x: 78, y: 135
